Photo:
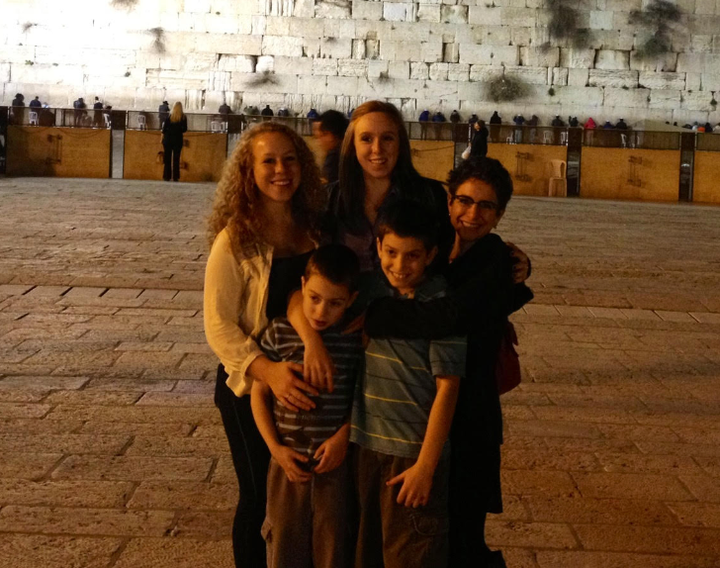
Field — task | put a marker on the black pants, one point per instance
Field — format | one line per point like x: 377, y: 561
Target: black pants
x: 172, y: 161
x: 251, y: 459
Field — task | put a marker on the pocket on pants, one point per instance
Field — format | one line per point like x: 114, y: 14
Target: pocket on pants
x: 429, y: 525
x: 266, y: 533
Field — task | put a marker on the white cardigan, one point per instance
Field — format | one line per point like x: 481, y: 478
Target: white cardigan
x: 234, y: 304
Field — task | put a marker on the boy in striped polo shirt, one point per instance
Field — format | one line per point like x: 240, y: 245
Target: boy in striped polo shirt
x: 403, y: 410
x: 308, y: 484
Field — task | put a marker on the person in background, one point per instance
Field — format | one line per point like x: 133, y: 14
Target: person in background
x: 267, y: 113
x: 479, y: 146
x: 163, y: 112
x: 329, y: 132
x: 97, y: 114
x: 16, y: 115
x: 172, y: 140
x: 224, y: 108
x: 80, y: 113
x: 495, y: 122
x: 18, y: 101
x: 35, y: 103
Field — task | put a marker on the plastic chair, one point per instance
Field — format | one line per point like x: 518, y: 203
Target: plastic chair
x: 624, y: 140
x: 108, y: 122
x: 215, y: 126
x: 564, y: 138
x: 557, y: 184
x: 33, y: 118
x: 142, y: 122
x: 547, y: 137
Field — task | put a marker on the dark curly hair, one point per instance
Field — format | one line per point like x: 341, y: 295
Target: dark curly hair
x: 488, y: 170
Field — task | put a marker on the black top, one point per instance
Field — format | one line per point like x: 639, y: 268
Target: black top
x: 173, y: 131
x: 331, y: 166
x: 479, y: 146
x: 285, y: 274
x: 481, y: 296
x: 35, y: 103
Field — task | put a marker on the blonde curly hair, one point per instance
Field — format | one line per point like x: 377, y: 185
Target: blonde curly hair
x: 236, y: 197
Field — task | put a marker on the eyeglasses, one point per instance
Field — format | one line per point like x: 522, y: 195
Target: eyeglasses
x: 467, y: 203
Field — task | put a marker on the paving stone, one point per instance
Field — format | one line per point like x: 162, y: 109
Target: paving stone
x: 36, y: 551
x: 675, y: 540
x: 130, y: 384
x: 167, y: 446
x: 22, y: 396
x: 42, y: 383
x: 93, y: 397
x: 37, y: 426
x: 27, y: 466
x: 46, y: 291
x: 590, y: 559
x: 176, y: 553
x: 176, y: 495
x: 136, y: 428
x: 110, y: 522
x: 123, y: 293
x: 63, y: 443
x: 176, y: 399
x: 133, y: 468
x: 100, y: 494
x: 214, y: 525
x: 583, y: 510
x: 20, y: 410
x: 631, y: 486
x: 84, y: 292
x: 135, y: 413
x: 516, y: 533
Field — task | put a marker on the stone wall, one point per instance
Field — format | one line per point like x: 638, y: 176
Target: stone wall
x: 438, y: 54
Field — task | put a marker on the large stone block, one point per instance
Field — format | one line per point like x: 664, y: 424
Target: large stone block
x: 325, y: 67
x: 616, y: 78
x: 540, y: 57
x: 631, y: 98
x: 577, y: 58
x: 672, y: 81
x: 419, y: 70
x: 484, y: 73
x: 293, y: 65
x: 440, y: 90
x: 530, y: 75
x: 454, y: 14
x: 336, y: 48
x: 218, y: 24
x: 485, y: 15
x: 601, y: 20
x: 339, y: 29
x: 352, y: 67
x: 332, y: 8
x: 367, y: 10
x: 287, y: 46
x: 427, y: 12
x: 241, y: 63
x: 697, y: 101
x: 306, y: 27
x: 458, y: 72
x: 341, y: 85
x: 589, y: 96
x: 664, y: 99
x: 399, y: 69
x: 622, y: 39
x: 578, y: 77
x: 667, y: 62
x: 451, y: 52
x: 612, y: 59
x: 710, y: 82
x: 406, y: 31
x: 399, y: 12
x: 378, y: 68
x: 489, y: 55
x: 518, y: 17
x: 431, y: 51
x: 439, y: 71
x: 560, y: 76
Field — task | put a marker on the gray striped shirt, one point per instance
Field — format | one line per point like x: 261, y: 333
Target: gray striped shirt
x: 305, y: 431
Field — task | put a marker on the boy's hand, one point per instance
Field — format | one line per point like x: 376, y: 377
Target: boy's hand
x: 416, y: 485
x: 332, y: 451
x: 288, y: 458
x: 318, y: 367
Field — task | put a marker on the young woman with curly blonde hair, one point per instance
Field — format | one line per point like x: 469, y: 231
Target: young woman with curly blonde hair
x: 262, y: 230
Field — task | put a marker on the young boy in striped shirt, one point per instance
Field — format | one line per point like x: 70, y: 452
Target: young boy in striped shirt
x: 403, y: 409
x: 308, y: 482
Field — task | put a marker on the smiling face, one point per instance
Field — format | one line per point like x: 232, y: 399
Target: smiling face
x: 472, y: 221
x: 276, y: 167
x: 377, y: 145
x: 404, y: 260
x: 324, y: 302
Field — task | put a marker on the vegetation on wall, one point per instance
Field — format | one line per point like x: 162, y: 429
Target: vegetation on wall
x: 158, y: 39
x: 128, y: 4
x: 658, y: 20
x: 564, y: 23
x: 262, y: 79
x: 507, y: 89
x: 26, y: 26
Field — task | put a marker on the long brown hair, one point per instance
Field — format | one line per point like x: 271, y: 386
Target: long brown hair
x: 351, y: 203
x: 236, y: 197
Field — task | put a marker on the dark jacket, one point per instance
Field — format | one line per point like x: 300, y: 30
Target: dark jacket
x: 173, y: 132
x: 479, y: 146
x: 35, y: 104
x: 481, y: 296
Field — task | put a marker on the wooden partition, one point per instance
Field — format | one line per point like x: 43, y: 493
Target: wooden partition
x: 706, y: 188
x: 58, y: 152
x: 529, y: 165
x: 201, y: 159
x: 433, y: 158
x: 626, y: 173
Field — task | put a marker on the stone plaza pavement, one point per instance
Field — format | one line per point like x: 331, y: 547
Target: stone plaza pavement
x: 112, y: 453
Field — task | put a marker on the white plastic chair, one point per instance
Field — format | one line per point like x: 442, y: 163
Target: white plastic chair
x: 564, y: 138
x: 215, y: 126
x: 33, y: 118
x: 547, y: 137
x: 624, y: 140
x: 141, y: 122
x: 108, y: 122
x: 557, y: 184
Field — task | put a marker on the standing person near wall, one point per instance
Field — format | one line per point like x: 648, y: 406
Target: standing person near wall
x: 79, y: 113
x: 263, y: 228
x: 479, y: 146
x: 97, y: 114
x: 163, y: 112
x: 172, y: 141
x: 329, y: 132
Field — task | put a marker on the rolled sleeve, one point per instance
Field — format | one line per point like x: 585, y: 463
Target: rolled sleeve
x: 448, y: 356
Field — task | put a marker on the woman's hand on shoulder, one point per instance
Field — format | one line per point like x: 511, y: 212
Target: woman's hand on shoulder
x: 521, y: 264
